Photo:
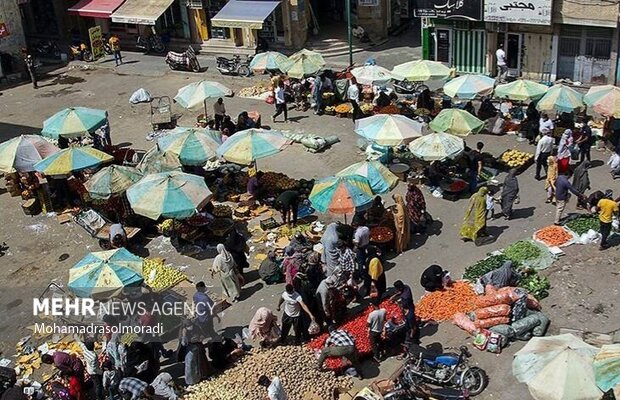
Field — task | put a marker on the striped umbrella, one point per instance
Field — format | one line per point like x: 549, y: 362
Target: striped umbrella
x: 389, y: 129
x: 561, y: 98
x: 421, y: 70
x: 193, y: 146
x: 457, y: 122
x: 371, y: 75
x: 74, y: 122
x: 380, y: 178
x: 604, y: 100
x: 111, y: 181
x: 155, y: 161
x: 341, y: 194
x: 469, y: 87
x: 247, y: 146
x: 22, y: 152
x: 303, y: 63
x: 437, y: 146
x: 171, y: 194
x: 607, y: 367
x: 521, y: 90
x: 197, y: 93
x: 104, y: 274
x: 72, y: 159
x: 270, y: 60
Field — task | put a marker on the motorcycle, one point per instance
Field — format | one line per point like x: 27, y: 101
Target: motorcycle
x: 150, y: 43
x: 408, y: 87
x: 234, y: 66
x: 186, y: 61
x: 448, y: 370
x: 106, y: 45
x: 81, y: 52
x: 47, y: 48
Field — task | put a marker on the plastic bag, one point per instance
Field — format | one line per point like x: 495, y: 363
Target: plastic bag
x: 591, y: 236
x: 525, y: 325
x: 140, y: 96
x: 462, y: 321
x: 495, y: 342
x: 489, y: 322
x: 500, y: 310
x: 504, y: 330
x: 480, y: 339
x: 497, y: 297
x: 532, y: 303
x: 314, y: 328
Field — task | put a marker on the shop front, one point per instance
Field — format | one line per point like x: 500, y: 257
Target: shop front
x: 89, y: 13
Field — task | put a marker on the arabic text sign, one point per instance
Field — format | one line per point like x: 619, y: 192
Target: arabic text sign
x: 456, y: 9
x: 535, y: 12
x: 96, y: 41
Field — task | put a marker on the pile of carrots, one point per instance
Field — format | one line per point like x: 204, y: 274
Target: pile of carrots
x: 443, y: 304
x: 553, y: 235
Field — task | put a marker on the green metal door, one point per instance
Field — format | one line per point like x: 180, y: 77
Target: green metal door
x: 469, y: 50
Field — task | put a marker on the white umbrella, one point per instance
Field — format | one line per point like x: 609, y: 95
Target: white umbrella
x: 371, y: 75
x: 437, y: 146
x: 389, y: 129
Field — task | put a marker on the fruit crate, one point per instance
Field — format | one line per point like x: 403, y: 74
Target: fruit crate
x: 520, y: 169
x: 267, y: 224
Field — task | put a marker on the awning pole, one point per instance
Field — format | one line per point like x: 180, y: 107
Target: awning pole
x: 205, y: 104
x: 349, y: 34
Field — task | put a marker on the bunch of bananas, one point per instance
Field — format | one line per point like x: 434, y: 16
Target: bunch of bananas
x: 515, y: 158
x: 159, y: 276
x: 166, y: 226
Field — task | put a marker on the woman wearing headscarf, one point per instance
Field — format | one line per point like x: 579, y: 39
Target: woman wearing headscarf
x: 566, y: 142
x: 552, y: 175
x: 164, y: 386
x: 533, y: 122
x: 269, y: 270
x: 416, y: 207
x: 224, y: 265
x: 264, y: 327
x: 475, y: 221
x: 376, y: 213
x: 376, y: 273
x: 236, y: 245
x: 290, y: 265
x: 401, y: 224
x: 581, y: 182
x: 330, y: 251
x: 510, y: 192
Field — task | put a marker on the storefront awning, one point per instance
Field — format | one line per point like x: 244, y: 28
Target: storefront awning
x: 95, y: 8
x: 142, y: 12
x: 244, y: 14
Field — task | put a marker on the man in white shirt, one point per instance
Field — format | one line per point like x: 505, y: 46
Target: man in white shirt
x: 502, y: 67
x: 353, y: 95
x: 275, y: 391
x: 280, y: 101
x: 361, y: 240
x: 293, y: 304
x: 219, y: 112
x: 375, y: 322
x: 545, y: 123
x: 543, y: 151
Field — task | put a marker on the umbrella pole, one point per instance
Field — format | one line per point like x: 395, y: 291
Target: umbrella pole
x: 205, y: 104
x: 345, y: 219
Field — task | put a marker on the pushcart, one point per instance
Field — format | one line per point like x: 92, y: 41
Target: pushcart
x: 99, y: 227
x: 161, y: 113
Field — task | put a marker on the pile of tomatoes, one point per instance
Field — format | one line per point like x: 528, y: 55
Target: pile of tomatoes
x: 357, y: 327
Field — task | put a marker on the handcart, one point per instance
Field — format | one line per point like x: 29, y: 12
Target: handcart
x: 161, y: 113
x: 99, y: 227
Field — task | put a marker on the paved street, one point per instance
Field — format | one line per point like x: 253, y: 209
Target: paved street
x: 581, y: 281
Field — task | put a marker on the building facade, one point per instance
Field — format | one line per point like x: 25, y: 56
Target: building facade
x: 543, y: 40
x: 12, y: 38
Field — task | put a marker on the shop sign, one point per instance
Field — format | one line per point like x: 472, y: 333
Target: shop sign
x: 368, y: 3
x: 4, y: 32
x: 534, y: 12
x: 96, y: 42
x: 470, y: 10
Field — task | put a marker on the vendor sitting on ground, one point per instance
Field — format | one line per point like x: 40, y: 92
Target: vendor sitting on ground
x: 299, y: 244
x: 269, y: 270
x: 425, y: 100
x: 288, y: 205
x: 117, y: 236
x: 434, y: 278
x: 264, y: 327
x: 244, y: 121
x: 253, y: 186
x: 377, y: 212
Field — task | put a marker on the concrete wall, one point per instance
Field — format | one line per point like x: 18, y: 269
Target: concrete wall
x: 591, y: 13
x: 13, y: 43
x: 374, y: 18
x: 538, y: 49
x: 296, y: 15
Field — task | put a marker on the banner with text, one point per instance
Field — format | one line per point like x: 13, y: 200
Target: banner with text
x: 470, y: 10
x: 534, y: 12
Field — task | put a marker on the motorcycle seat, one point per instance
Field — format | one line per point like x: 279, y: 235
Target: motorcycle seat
x: 222, y: 59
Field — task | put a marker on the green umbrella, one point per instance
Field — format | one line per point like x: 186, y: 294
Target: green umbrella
x: 457, y: 122
x: 561, y: 98
x: 421, y: 70
x: 111, y: 181
x: 304, y: 62
x: 521, y: 90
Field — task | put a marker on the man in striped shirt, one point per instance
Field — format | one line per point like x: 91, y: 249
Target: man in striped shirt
x: 340, y: 344
x: 132, y: 388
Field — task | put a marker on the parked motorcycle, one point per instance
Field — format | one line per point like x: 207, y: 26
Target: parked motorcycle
x: 81, y: 52
x: 448, y: 370
x: 409, y: 386
x: 150, y: 43
x: 234, y: 66
x: 106, y: 45
x: 408, y: 87
x: 186, y: 61
x: 47, y: 48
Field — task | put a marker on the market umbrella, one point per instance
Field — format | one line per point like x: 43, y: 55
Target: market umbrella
x: 469, y: 87
x: 561, y: 98
x: 111, y: 181
x: 104, y: 274
x: 389, y: 129
x: 372, y: 75
x: 605, y: 100
x: 457, y: 122
x: 437, y: 146
x: 74, y: 122
x: 521, y: 90
x: 304, y: 62
x: 607, y: 367
x: 193, y: 146
x: 171, y: 194
x: 380, y: 178
x: 155, y: 161
x: 270, y: 60
x: 249, y: 145
x: 557, y: 367
x: 421, y: 70
x: 197, y: 93
x: 72, y: 159
x: 341, y: 194
x: 22, y: 152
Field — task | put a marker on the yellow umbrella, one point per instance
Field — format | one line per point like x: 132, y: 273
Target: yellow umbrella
x: 421, y: 70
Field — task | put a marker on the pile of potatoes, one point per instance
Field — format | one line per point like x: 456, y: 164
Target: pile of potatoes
x: 295, y: 366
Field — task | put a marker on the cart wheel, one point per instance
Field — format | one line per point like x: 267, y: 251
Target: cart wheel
x: 244, y: 70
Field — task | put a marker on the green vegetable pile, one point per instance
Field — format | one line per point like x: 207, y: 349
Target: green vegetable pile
x: 538, y: 286
x: 522, y: 251
x: 480, y: 268
x: 583, y: 224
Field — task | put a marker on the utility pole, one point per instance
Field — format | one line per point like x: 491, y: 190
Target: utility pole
x: 349, y: 33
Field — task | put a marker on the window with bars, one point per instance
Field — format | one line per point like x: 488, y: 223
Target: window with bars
x: 598, y: 48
